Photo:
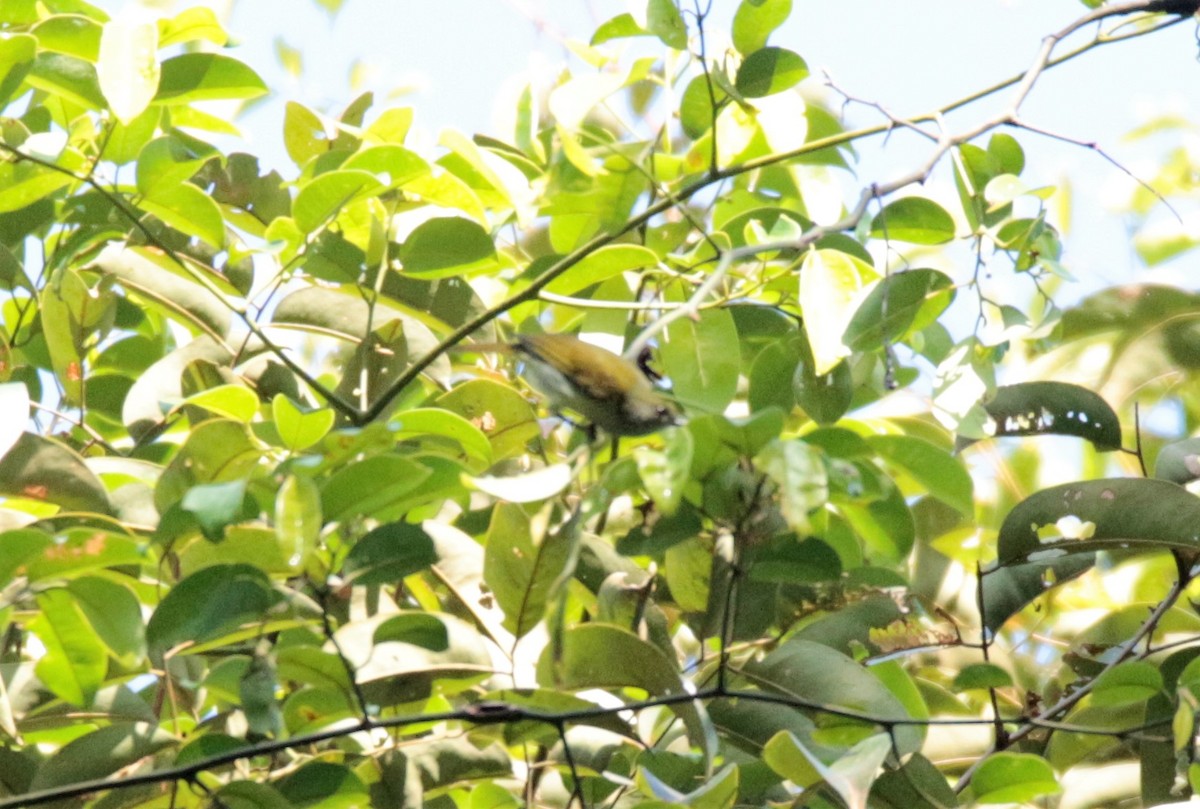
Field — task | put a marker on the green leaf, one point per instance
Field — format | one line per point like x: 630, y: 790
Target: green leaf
x: 523, y: 574
x: 619, y: 27
x: 42, y: 469
x: 915, y: 220
x: 128, y: 68
x: 1131, y: 682
x: 1013, y: 778
x: 1051, y: 408
x: 1090, y: 515
x: 114, y: 613
x: 1178, y: 462
x: 981, y: 675
x: 665, y: 22
x: 447, y: 246
x: 194, y: 24
x: 170, y: 160
x: 696, y: 112
x: 17, y: 53
x: 206, y: 77
x: 72, y: 34
x: 300, y: 429
x: 1007, y: 590
x: 208, y: 604
x: 604, y: 656
x: 833, y: 285
x: 71, y: 78
x: 885, y: 524
x: 323, y: 198
x: 901, y: 303
x: 82, y: 550
x: 435, y: 423
x: 754, y: 21
x: 75, y: 662
x: 665, y: 471
x: 217, y: 505
x: 697, y: 357
x: 298, y: 518
x: 798, y: 472
x: 818, y: 674
x: 934, y: 468
x: 387, y: 554
x: 256, y: 692
x: 235, y: 402
x: 778, y: 360
x: 370, y: 486
x: 216, y: 451
x: 171, y: 288
x: 824, y: 397
x: 322, y: 783
x: 505, y: 416
x: 391, y: 164
x: 770, y: 70
x: 601, y: 265
x: 304, y: 133
x: 101, y: 753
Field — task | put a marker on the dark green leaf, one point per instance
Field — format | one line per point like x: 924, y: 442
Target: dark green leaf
x: 101, y: 753
x: 42, y: 469
x: 770, y: 70
x: 816, y: 673
x: 1091, y: 515
x: 1179, y: 462
x: 208, y: 604
x: 389, y: 553
x: 899, y: 304
x: 520, y: 573
x: 1051, y: 408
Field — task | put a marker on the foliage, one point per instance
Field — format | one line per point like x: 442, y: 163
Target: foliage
x: 273, y: 535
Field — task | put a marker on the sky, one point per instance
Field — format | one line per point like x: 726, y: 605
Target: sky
x: 458, y: 61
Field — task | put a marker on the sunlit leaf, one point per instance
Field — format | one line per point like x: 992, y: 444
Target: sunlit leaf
x: 206, y: 77
x: 1013, y: 778
x: 128, y: 66
x: 914, y: 219
x: 833, y: 285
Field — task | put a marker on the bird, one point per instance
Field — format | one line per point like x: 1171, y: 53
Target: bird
x: 609, y: 391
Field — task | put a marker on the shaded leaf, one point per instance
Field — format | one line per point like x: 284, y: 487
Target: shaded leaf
x: 387, y: 554
x: 42, y: 469
x: 101, y: 753
x: 770, y: 70
x: 208, y: 604
x: 1090, y: 515
x: 1045, y: 408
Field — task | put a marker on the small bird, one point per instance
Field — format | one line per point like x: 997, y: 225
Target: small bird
x: 606, y: 389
